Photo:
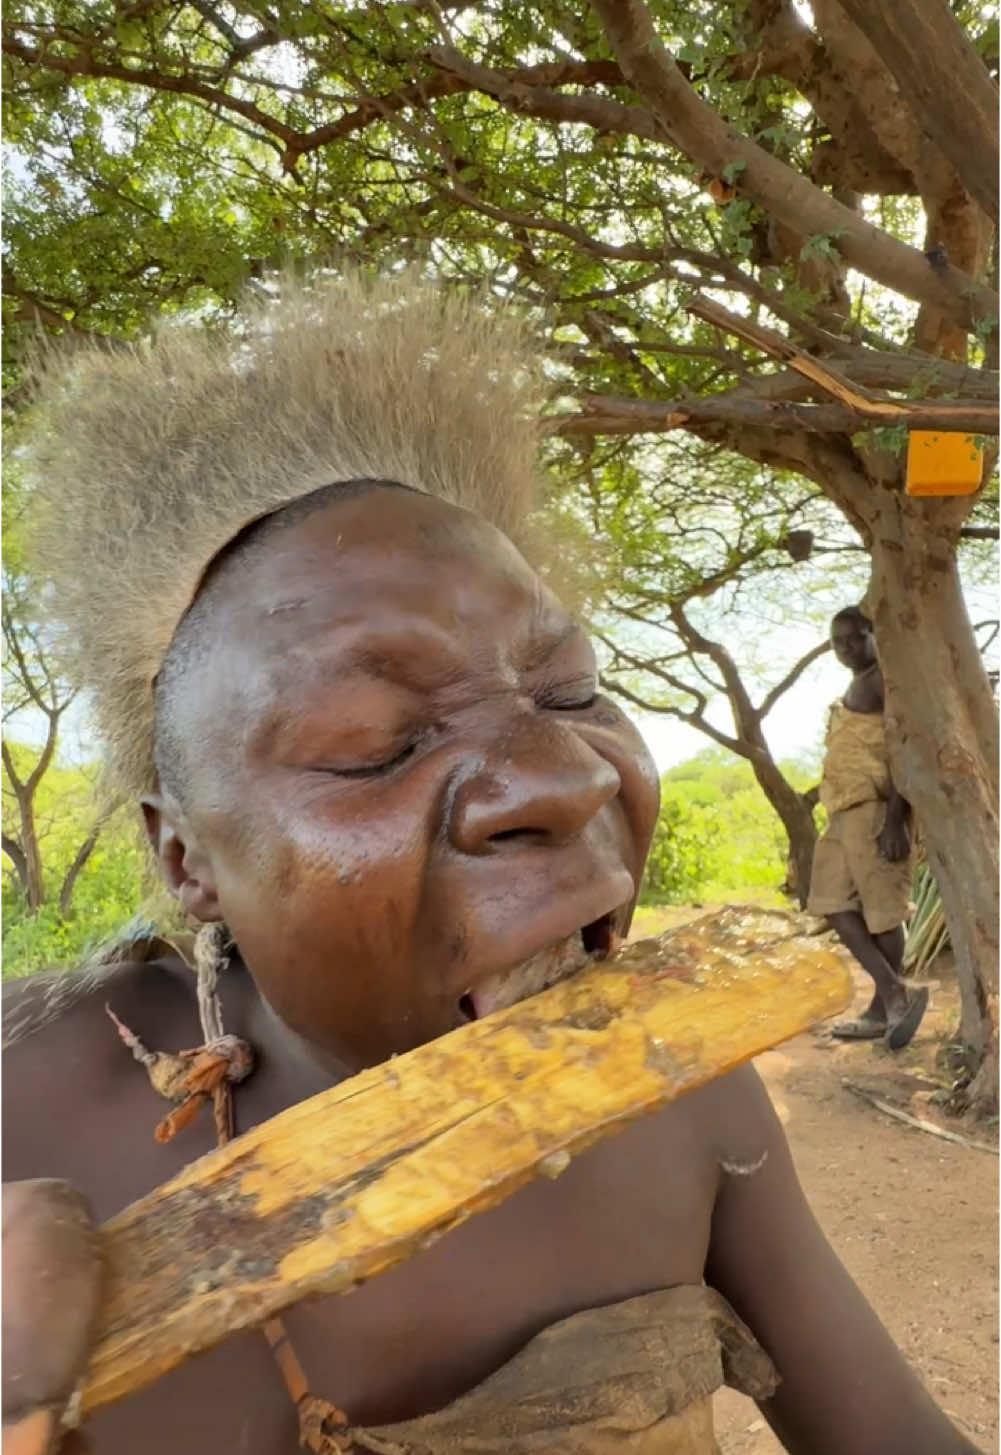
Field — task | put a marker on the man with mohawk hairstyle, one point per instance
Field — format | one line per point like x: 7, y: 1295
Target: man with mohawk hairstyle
x: 377, y: 775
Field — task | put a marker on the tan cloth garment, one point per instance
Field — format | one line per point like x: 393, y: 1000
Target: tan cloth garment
x: 856, y: 763
x: 635, y: 1377
x: 849, y: 872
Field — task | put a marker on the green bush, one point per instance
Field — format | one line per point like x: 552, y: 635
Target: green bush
x: 680, y: 857
x: 108, y: 894
x: 717, y: 833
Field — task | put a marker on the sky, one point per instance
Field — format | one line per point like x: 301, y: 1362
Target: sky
x: 793, y: 729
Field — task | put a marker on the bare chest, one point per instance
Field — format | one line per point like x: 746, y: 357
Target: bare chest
x: 630, y: 1216
x: 865, y: 693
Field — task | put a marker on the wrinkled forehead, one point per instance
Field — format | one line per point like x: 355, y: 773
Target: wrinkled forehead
x: 388, y: 574
x: 382, y: 548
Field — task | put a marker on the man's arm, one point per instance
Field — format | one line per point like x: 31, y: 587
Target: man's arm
x: 846, y: 1389
x: 894, y: 841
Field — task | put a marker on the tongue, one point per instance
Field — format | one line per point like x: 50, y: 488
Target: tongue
x: 544, y: 969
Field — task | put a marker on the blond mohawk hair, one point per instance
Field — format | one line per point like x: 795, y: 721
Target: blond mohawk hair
x: 146, y: 461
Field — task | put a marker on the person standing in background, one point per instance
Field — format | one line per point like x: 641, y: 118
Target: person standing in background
x: 862, y: 866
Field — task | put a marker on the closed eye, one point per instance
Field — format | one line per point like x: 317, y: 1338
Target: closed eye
x: 571, y: 697
x: 374, y: 770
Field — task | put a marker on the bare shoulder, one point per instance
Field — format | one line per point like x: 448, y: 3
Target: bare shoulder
x: 729, y: 1122
x: 735, y: 1117
x: 692, y: 1146
x: 74, y: 1099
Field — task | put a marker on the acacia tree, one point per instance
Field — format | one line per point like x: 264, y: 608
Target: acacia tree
x: 688, y: 701
x: 602, y: 166
x: 35, y: 696
x: 688, y: 588
x: 702, y: 599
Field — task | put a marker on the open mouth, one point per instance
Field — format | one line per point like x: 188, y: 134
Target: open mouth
x: 545, y: 968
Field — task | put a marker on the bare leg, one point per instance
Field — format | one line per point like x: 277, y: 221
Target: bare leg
x: 891, y: 945
x: 881, y: 957
x: 892, y: 1007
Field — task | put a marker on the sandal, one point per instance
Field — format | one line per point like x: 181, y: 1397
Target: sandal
x: 860, y: 1030
x: 900, y: 1032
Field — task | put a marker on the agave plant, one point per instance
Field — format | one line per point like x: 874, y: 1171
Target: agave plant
x: 927, y: 932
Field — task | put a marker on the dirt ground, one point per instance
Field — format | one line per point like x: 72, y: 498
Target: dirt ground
x: 913, y: 1218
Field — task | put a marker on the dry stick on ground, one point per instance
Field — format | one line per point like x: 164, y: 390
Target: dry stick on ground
x: 917, y: 1122
x: 428, y: 1139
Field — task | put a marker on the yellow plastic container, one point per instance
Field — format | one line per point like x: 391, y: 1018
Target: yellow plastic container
x: 943, y: 464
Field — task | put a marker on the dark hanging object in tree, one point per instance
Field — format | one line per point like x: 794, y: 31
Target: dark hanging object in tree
x: 799, y: 544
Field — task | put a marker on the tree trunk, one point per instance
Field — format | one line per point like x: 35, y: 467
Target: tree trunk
x: 749, y: 741
x: 943, y: 734
x: 30, y: 864
x: 76, y: 869
x: 797, y: 819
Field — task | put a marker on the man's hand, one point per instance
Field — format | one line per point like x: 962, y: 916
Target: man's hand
x: 51, y: 1290
x: 894, y: 840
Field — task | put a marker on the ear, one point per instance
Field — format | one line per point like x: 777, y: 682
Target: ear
x: 183, y: 864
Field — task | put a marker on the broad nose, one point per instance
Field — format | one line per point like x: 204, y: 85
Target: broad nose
x: 539, y: 781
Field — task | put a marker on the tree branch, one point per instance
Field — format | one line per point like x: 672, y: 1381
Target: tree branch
x: 703, y: 136
x: 603, y: 414
x: 769, y: 342
x: 74, y: 871
x: 745, y: 715
x: 944, y: 82
x: 876, y: 369
x: 855, y: 157
x: 451, y: 80
x: 22, y: 671
x: 535, y: 222
x: 520, y: 91
x: 85, y: 64
x: 18, y: 858
x: 791, y: 678
x: 995, y: 628
x: 693, y: 719
x: 45, y: 756
x: 16, y: 783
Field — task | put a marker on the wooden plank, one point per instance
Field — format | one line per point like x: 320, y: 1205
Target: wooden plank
x: 344, y: 1186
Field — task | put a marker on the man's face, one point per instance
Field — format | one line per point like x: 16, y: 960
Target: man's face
x: 853, y: 643
x: 405, y: 784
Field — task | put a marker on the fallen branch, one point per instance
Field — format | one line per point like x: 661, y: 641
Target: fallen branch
x: 917, y: 1122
